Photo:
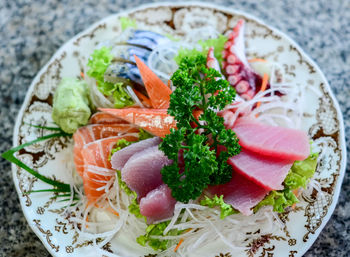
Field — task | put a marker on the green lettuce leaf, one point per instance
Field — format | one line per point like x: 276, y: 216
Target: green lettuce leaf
x: 98, y: 64
x: 217, y: 43
x: 134, y: 207
x: 157, y: 230
x: 301, y: 172
x: 298, y: 176
x: 278, y: 199
x: 121, y: 97
x: 126, y: 23
x: 226, y: 209
x: 144, y: 135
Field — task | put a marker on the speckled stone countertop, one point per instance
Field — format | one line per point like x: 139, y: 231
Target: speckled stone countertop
x: 31, y: 32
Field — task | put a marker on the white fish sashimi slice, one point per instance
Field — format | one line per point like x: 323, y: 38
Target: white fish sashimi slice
x: 120, y: 158
x: 142, y: 171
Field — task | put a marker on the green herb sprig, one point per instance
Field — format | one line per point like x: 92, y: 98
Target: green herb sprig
x: 58, y: 187
x: 9, y: 155
x: 206, y: 143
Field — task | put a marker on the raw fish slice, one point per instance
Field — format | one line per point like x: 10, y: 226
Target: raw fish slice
x: 158, y: 204
x: 241, y: 193
x: 97, y: 169
x: 94, y: 179
x: 142, y: 171
x: 264, y: 171
x: 238, y: 72
x: 105, y: 118
x: 90, y: 133
x: 81, y: 137
x: 272, y: 141
x: 155, y: 121
x: 119, y: 159
x: 97, y: 152
x: 138, y: 42
x: 154, y: 39
x: 158, y: 92
x: 108, y: 130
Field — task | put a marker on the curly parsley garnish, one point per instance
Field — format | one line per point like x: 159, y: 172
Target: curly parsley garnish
x: 198, y: 90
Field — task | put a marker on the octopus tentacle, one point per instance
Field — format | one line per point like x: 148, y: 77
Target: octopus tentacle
x: 236, y: 67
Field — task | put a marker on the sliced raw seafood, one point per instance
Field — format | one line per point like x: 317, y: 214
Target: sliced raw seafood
x: 240, y: 192
x: 97, y: 171
x: 137, y: 42
x: 158, y: 204
x: 264, y: 171
x: 158, y: 92
x: 212, y: 62
x: 237, y: 70
x: 142, y: 171
x: 119, y: 158
x: 155, y: 121
x: 272, y: 141
x: 105, y: 118
x: 90, y: 133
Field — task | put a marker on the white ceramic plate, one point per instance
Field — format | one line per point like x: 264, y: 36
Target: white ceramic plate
x: 322, y: 120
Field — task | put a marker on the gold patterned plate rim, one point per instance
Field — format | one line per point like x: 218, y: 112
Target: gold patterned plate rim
x: 48, y: 238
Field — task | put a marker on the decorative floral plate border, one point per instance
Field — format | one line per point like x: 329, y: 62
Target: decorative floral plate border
x: 322, y: 120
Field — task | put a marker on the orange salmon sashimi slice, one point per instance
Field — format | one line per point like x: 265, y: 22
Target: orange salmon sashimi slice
x: 90, y: 133
x: 155, y: 121
x: 105, y: 118
x: 98, y: 171
x: 158, y: 92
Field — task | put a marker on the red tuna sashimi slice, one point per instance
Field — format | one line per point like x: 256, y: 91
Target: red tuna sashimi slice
x: 264, y: 171
x: 119, y: 159
x: 241, y: 193
x: 90, y: 133
x: 142, y: 171
x: 97, y: 169
x: 272, y: 141
x: 105, y: 118
x: 158, y: 204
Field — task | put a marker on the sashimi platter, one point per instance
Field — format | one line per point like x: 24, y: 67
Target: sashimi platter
x: 179, y: 130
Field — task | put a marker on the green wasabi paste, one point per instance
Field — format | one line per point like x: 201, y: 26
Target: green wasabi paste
x: 71, y: 105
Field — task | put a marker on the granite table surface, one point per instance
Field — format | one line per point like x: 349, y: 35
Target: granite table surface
x: 31, y: 32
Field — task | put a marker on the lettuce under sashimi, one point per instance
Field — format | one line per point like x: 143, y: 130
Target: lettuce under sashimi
x: 126, y: 22
x: 98, y: 63
x: 218, y: 44
x: 299, y: 176
x: 225, y: 209
x: 157, y: 230
x: 134, y: 207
